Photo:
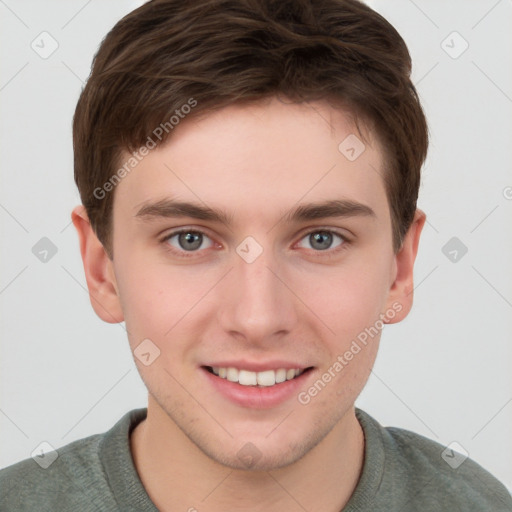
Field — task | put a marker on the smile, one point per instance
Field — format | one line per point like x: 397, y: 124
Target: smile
x: 264, y: 378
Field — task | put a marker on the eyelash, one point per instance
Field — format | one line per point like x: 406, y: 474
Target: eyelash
x: 190, y: 254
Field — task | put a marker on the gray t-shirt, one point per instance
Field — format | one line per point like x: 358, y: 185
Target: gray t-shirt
x: 403, y: 471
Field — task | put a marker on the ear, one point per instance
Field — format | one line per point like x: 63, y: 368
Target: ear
x: 400, y: 296
x: 99, y: 270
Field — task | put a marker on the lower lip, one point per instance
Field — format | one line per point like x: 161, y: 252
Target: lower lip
x: 257, y: 397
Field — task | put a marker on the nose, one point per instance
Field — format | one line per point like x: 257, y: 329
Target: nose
x: 257, y: 304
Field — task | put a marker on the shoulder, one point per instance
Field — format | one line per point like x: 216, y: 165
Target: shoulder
x: 424, y: 473
x: 64, y: 476
x: 452, y: 473
x: 72, y: 477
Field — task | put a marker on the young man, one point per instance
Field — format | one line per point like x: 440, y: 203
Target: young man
x: 249, y: 172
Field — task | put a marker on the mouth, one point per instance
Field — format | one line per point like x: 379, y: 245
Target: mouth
x: 261, y: 379
x: 257, y: 385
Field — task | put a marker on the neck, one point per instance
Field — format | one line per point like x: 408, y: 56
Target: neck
x: 179, y: 476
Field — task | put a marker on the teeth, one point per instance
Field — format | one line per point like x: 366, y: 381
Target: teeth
x: 280, y: 375
x: 232, y: 374
x: 265, y: 378
x: 247, y: 378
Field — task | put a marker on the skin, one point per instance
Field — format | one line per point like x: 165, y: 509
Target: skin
x: 294, y: 302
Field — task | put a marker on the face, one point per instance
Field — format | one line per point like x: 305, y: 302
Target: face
x: 255, y: 253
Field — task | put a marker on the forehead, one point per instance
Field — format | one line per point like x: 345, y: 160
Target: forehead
x: 255, y: 159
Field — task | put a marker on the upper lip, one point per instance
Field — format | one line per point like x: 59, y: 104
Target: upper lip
x: 254, y: 366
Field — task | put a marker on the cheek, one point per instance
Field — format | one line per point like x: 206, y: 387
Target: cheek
x: 161, y: 300
x: 348, y: 298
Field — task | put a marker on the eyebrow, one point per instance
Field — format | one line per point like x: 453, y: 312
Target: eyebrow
x: 169, y: 208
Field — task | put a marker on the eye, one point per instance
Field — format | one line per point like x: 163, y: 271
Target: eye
x: 321, y: 240
x: 188, y: 240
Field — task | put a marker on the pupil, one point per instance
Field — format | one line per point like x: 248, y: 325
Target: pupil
x: 321, y: 240
x: 190, y: 241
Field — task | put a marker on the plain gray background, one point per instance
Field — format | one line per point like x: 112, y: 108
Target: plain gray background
x: 445, y: 372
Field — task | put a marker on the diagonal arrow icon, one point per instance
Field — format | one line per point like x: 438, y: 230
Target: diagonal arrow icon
x: 146, y: 352
x: 44, y: 250
x: 249, y: 249
x: 351, y: 147
x: 454, y: 455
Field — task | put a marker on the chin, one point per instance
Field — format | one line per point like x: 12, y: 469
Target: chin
x: 262, y: 454
x: 250, y: 458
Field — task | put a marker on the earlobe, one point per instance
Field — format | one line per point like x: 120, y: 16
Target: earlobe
x: 400, y: 296
x: 99, y: 271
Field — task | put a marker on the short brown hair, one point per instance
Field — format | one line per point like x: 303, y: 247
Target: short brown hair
x: 218, y: 52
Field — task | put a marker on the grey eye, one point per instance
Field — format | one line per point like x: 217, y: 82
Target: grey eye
x: 189, y: 241
x: 321, y: 240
